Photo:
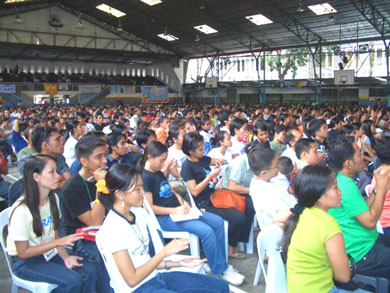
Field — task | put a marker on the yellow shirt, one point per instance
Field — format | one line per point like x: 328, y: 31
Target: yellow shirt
x: 308, y: 267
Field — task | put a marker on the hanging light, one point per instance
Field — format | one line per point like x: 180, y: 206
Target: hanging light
x: 119, y: 28
x: 300, y: 6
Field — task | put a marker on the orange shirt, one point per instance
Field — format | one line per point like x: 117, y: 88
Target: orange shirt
x: 161, y: 135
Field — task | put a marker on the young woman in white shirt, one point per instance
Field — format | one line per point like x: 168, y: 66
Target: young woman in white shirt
x: 126, y: 254
x: 223, y: 151
x: 38, y: 253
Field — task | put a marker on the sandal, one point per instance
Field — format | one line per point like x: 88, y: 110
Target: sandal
x: 237, y: 255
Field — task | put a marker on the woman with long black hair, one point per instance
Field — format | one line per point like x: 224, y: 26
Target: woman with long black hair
x: 313, y: 241
x: 127, y: 255
x: 38, y: 253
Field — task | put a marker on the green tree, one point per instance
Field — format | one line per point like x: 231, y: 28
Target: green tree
x: 287, y: 60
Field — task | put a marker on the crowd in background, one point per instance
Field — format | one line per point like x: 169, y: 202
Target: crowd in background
x: 300, y: 168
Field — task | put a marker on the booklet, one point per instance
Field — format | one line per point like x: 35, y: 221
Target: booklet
x: 193, y: 214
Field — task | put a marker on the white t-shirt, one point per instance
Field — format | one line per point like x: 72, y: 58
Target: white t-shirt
x: 237, y: 147
x: 290, y: 153
x: 21, y: 225
x: 179, y: 156
x: 70, y: 151
x: 215, y: 153
x: 117, y: 234
x: 269, y: 199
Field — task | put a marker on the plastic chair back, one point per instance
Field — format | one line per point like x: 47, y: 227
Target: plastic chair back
x: 36, y: 287
x: 268, y: 243
x: 15, y: 191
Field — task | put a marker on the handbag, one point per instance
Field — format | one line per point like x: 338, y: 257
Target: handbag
x: 227, y: 199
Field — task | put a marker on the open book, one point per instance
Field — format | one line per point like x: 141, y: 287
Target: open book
x: 193, y: 214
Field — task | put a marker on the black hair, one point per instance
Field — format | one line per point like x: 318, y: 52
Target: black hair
x: 174, y: 131
x: 290, y: 136
x: 334, y: 121
x: 118, y: 128
x: 279, y: 128
x: 40, y: 135
x: 205, y: 118
x: 191, y: 142
x: 86, y: 145
x: 121, y: 177
x: 367, y: 130
x: 71, y: 124
x: 154, y: 149
x: 35, y: 164
x: 340, y: 150
x: 237, y: 123
x: 223, y: 117
x: 303, y: 145
x: 347, y: 129
x: 357, y: 125
x: 260, y: 125
x: 113, y: 138
x: 142, y: 136
x: 285, y: 165
x: 382, y: 149
x: 260, y: 159
x: 220, y: 137
x: 315, y: 125
x: 310, y: 184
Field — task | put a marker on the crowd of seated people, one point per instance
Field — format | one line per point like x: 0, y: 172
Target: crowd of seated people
x: 17, y: 75
x: 95, y: 165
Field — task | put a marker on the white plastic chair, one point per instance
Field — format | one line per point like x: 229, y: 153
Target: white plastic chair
x: 268, y: 244
x: 368, y: 190
x: 194, y: 240
x: 36, y: 287
x: 226, y: 223
x: 159, y: 245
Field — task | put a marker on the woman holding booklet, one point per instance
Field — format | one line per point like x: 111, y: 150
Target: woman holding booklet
x: 165, y: 202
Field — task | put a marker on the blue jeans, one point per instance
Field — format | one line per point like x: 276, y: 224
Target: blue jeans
x: 90, y: 252
x: 37, y: 269
x: 184, y: 282
x: 210, y: 229
x: 337, y: 290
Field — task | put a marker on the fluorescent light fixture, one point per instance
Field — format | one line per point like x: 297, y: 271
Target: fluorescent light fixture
x: 168, y: 37
x: 204, y: 28
x: 151, y: 2
x: 321, y: 9
x: 15, y: 1
x: 259, y: 19
x: 110, y: 10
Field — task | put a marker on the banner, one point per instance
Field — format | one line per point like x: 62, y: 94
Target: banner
x: 51, y: 88
x: 154, y: 94
x: 90, y: 88
x: 122, y: 89
x: 7, y: 88
x: 63, y: 87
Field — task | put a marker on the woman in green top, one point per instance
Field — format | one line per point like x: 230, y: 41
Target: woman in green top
x: 313, y: 241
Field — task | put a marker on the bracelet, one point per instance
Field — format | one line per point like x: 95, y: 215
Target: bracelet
x: 166, y: 265
x: 101, y: 187
x: 97, y: 201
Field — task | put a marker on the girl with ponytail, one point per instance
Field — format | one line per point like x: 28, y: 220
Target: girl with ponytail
x: 313, y: 241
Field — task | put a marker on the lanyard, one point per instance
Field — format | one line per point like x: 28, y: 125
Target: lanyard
x: 86, y: 186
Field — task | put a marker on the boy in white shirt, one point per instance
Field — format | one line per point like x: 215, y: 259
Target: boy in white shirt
x: 272, y: 203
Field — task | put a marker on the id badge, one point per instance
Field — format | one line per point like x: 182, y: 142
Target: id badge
x: 51, y: 253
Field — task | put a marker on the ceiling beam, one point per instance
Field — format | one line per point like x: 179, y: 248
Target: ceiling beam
x: 380, y: 23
